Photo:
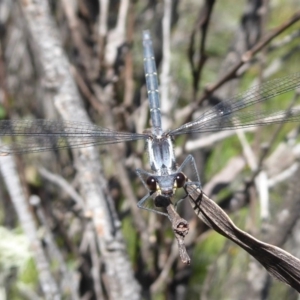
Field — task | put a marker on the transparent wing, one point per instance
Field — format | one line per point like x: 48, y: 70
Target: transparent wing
x: 238, y: 112
x: 21, y: 136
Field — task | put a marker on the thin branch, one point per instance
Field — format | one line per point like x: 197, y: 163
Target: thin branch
x: 165, y: 273
x: 116, y: 37
x: 181, y: 229
x: 103, y: 16
x: 88, y: 63
x: 12, y: 181
x: 209, y: 140
x: 166, y: 104
x: 232, y: 73
x: 68, y: 282
x: 64, y: 185
x: 95, y: 262
x: 272, y: 141
x: 197, y: 60
x: 284, y: 175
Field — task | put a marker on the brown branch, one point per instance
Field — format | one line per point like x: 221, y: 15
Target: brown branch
x: 89, y: 65
x: 248, y: 55
x: 181, y: 229
x: 245, y: 58
x: 201, y: 24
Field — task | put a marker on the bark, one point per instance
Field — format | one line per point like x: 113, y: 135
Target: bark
x: 58, y: 82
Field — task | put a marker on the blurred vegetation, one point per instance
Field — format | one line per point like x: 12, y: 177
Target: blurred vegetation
x: 219, y: 268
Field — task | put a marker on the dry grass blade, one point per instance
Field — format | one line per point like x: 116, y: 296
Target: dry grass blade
x: 279, y: 263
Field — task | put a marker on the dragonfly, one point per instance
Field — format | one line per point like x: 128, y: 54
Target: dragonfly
x: 165, y: 177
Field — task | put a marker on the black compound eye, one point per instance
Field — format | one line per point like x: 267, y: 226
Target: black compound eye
x: 151, y: 182
x: 180, y: 180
